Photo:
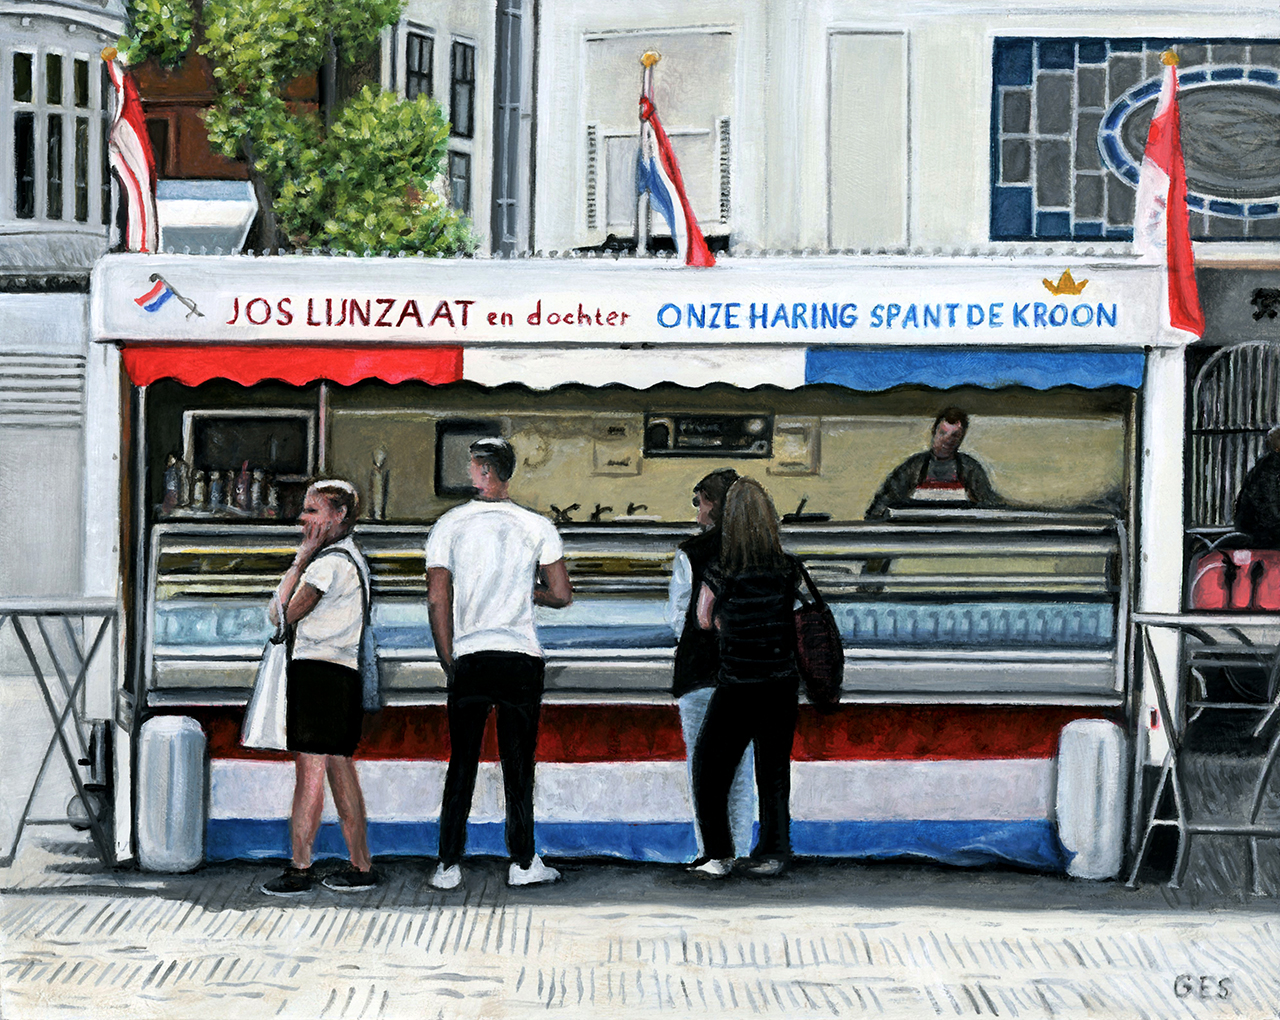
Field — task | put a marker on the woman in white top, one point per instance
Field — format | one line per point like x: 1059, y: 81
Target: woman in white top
x: 323, y: 595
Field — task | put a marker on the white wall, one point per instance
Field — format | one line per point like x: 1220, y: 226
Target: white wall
x: 782, y: 101
x: 42, y: 442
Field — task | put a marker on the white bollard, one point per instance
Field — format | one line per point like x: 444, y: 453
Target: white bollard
x: 172, y: 802
x: 1092, y: 785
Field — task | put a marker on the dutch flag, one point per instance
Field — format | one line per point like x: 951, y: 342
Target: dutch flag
x: 129, y: 150
x: 153, y: 299
x: 658, y: 173
x: 1161, y: 227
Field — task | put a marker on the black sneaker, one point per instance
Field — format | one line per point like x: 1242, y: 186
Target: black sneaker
x: 292, y: 882
x: 351, y: 880
x: 765, y: 867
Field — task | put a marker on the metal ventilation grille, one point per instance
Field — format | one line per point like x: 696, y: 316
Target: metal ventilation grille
x: 722, y: 135
x: 1235, y: 402
x: 41, y: 390
x: 593, y: 174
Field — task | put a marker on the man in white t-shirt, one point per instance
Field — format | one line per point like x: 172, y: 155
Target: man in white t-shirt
x: 488, y: 562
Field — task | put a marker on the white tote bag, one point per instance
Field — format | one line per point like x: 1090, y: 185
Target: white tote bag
x: 264, y: 718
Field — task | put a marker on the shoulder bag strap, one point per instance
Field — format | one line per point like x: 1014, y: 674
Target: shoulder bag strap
x: 283, y: 633
x: 813, y: 588
x: 365, y: 594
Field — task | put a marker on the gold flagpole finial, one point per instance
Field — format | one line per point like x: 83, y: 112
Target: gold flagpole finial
x: 1169, y: 58
x: 109, y: 54
x: 650, y: 58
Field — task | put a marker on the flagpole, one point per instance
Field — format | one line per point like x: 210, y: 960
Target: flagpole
x: 642, y: 200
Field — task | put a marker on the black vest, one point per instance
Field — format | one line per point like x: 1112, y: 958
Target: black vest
x: 698, y: 652
x: 758, y: 626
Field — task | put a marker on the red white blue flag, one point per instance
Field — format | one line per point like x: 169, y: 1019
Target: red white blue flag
x: 131, y: 159
x: 154, y: 298
x: 1161, y: 224
x: 658, y: 173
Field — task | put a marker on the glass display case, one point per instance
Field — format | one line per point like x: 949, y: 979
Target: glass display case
x: 981, y: 605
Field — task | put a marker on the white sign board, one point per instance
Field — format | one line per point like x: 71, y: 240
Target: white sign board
x: 478, y: 302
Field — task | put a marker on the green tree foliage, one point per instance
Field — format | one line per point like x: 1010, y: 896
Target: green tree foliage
x: 358, y: 176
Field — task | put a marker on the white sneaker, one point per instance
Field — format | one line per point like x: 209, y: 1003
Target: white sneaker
x: 446, y: 878
x: 713, y: 869
x: 534, y: 874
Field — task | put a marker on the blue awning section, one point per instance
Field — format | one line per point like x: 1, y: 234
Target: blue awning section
x: 881, y: 368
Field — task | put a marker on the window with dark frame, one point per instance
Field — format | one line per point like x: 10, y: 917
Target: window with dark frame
x: 53, y: 79
x: 53, y: 167
x: 419, y: 50
x: 24, y: 164
x: 81, y: 82
x: 24, y: 138
x: 22, y: 77
x: 105, y: 92
x: 460, y: 182
x: 462, y: 89
x: 82, y: 169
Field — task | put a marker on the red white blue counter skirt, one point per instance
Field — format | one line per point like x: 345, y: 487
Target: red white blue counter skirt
x: 963, y: 785
x: 1030, y: 844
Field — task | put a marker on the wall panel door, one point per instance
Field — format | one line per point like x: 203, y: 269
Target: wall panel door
x: 868, y: 156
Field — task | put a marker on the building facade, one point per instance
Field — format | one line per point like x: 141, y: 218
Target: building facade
x: 975, y: 154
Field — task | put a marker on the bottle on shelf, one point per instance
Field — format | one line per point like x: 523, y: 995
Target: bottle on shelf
x: 200, y: 491
x: 217, y: 491
x: 240, y: 493
x: 379, y: 482
x: 172, y: 497
x: 257, y: 491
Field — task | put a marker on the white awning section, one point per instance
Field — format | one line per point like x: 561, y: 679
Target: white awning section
x: 544, y: 368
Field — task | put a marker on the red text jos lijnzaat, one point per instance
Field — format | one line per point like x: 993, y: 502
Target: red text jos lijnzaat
x: 400, y: 313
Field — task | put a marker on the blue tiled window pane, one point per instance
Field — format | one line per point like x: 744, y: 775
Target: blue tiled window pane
x: 1092, y: 51
x: 1057, y: 54
x: 1053, y: 225
x: 1052, y: 94
x: 1010, y: 213
x: 1013, y: 61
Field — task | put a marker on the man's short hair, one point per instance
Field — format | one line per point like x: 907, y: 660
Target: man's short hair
x: 497, y: 453
x: 952, y: 416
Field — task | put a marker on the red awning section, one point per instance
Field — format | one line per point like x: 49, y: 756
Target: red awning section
x: 192, y: 364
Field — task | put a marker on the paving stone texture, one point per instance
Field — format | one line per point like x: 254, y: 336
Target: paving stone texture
x: 829, y: 939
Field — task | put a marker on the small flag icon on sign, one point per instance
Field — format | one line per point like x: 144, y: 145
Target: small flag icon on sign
x: 160, y: 292
x: 155, y: 298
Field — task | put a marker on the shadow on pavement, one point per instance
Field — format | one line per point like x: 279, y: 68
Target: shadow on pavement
x: 654, y: 889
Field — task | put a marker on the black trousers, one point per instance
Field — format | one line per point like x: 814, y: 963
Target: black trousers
x: 511, y: 683
x: 739, y: 713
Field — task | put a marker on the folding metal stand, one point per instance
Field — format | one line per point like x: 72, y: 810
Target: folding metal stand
x: 63, y: 695
x: 1172, y: 772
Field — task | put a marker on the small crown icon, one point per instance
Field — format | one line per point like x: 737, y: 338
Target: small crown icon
x: 1066, y: 284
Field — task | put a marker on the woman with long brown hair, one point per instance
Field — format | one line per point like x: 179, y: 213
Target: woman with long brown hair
x: 697, y: 662
x: 749, y: 600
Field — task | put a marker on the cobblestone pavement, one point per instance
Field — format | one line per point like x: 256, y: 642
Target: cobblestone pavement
x: 826, y: 940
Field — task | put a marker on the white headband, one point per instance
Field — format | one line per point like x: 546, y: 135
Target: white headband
x: 334, y: 483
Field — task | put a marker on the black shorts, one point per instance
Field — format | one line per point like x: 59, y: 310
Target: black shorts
x: 324, y: 713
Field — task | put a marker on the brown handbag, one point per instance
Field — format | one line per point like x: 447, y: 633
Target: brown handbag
x: 819, y: 652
